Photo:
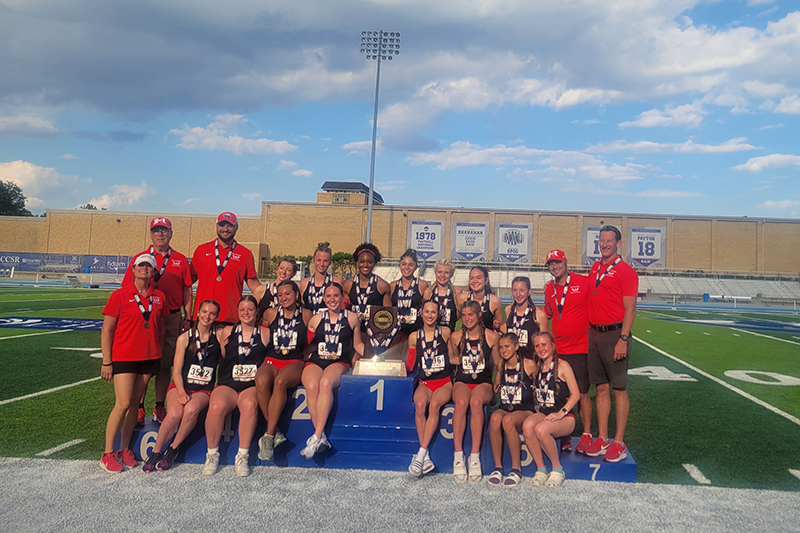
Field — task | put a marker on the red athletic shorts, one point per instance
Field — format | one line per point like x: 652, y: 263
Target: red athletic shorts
x: 280, y: 364
x: 435, y: 384
x: 190, y: 392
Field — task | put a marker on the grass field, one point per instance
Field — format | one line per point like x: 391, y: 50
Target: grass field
x: 741, y: 435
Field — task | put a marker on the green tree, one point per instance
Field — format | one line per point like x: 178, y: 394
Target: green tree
x: 88, y: 207
x: 12, y: 201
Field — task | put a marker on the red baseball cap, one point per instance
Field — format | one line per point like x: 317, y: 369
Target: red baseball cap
x: 555, y: 255
x: 160, y: 222
x: 228, y: 217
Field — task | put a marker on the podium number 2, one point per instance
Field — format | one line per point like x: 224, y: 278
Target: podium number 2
x: 378, y: 387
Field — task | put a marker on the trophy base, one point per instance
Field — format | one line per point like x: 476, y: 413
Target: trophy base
x: 373, y: 367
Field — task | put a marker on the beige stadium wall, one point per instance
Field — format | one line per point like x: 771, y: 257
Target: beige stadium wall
x: 693, y: 243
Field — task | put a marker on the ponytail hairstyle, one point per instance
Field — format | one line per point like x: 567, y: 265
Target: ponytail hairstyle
x: 434, y: 287
x: 294, y: 287
x: 369, y: 248
x: 412, y: 253
x: 247, y: 298
x: 192, y: 344
x: 324, y: 247
x: 501, y: 366
x: 476, y: 308
x: 538, y: 362
x: 487, y: 287
x: 292, y: 262
x: 531, y: 306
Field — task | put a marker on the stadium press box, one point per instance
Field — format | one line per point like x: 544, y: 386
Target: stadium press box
x: 371, y: 426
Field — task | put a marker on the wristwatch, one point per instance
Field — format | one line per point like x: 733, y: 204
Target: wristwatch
x: 624, y: 337
x: 564, y: 410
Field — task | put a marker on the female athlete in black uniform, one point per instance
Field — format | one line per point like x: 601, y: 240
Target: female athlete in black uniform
x: 194, y: 371
x: 473, y: 351
x: 479, y: 290
x: 444, y: 294
x: 523, y: 318
x: 428, y: 352
x: 366, y: 289
x: 556, y: 393
x: 313, y: 287
x: 286, y: 327
x: 267, y: 294
x: 513, y: 382
x: 244, y: 347
x: 407, y: 293
x: 335, y: 347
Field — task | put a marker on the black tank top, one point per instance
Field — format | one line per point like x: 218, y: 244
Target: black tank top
x: 433, y: 358
x: 516, y: 390
x: 470, y: 369
x: 448, y: 315
x: 368, y: 296
x: 289, y: 336
x: 268, y: 300
x: 486, y: 311
x: 202, y: 365
x: 313, y: 295
x: 551, y: 393
x: 409, y: 305
x: 525, y: 327
x: 333, y: 347
x: 238, y: 371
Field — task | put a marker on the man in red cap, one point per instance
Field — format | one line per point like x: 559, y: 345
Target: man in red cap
x: 614, y: 287
x: 221, y: 267
x: 566, y: 302
x: 173, y: 277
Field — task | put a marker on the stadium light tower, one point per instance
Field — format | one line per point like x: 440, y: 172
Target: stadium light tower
x: 378, y: 45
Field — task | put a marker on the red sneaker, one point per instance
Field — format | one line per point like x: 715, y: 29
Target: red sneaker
x: 616, y: 452
x: 566, y: 443
x: 159, y: 414
x: 110, y: 463
x: 598, y: 447
x: 585, y: 443
x: 127, y: 458
x: 140, y: 417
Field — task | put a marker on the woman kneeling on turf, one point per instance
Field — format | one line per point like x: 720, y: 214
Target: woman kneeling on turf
x: 197, y: 353
x: 473, y: 350
x: 428, y: 351
x: 556, y: 393
x: 335, y: 345
x: 513, y: 382
x: 244, y: 347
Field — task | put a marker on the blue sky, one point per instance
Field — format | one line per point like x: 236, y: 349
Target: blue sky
x: 649, y: 106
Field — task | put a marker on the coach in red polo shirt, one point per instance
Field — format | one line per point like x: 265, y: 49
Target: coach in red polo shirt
x: 173, y: 277
x: 221, y: 267
x: 614, y: 287
x: 566, y: 303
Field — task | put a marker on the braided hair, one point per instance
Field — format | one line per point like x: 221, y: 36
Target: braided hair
x: 476, y: 308
x: 429, y: 292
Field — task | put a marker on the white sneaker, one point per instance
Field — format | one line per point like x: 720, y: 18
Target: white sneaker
x: 266, y: 447
x: 475, y: 471
x: 459, y: 470
x: 280, y: 438
x: 324, y: 444
x: 311, y: 447
x: 241, y: 466
x: 211, y: 464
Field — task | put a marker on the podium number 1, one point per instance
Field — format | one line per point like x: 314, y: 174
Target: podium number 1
x: 378, y: 387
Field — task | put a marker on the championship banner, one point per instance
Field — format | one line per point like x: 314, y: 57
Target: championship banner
x: 647, y: 248
x: 591, y: 251
x: 469, y: 240
x: 512, y: 242
x: 426, y: 236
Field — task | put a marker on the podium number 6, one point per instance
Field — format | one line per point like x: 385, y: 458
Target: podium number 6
x: 378, y: 387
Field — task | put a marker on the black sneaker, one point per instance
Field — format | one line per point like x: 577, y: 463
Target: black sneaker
x: 168, y: 459
x: 152, y: 461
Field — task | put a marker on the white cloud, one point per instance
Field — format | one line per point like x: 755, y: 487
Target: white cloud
x: 462, y: 154
x: 769, y: 127
x: 780, y: 204
x: 69, y: 156
x: 361, y: 147
x: 190, y: 201
x: 390, y: 185
x: 757, y: 164
x: 25, y: 125
x: 789, y: 105
x: 303, y: 173
x: 32, y: 179
x: 254, y: 168
x: 588, y: 121
x: 286, y: 164
x: 690, y: 115
x: 215, y: 137
x: 688, y: 147
x: 34, y: 203
x: 252, y: 195
x: 123, y: 195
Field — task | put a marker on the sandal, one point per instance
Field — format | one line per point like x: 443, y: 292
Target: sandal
x: 513, y: 479
x: 539, y: 479
x: 555, y: 479
x: 496, y: 477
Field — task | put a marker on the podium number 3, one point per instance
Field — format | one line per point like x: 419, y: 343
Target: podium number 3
x: 378, y: 387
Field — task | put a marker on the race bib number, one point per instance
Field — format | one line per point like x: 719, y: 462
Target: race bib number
x: 292, y: 341
x: 244, y: 372
x: 545, y: 398
x: 200, y: 375
x: 511, y: 395
x: 445, y: 317
x: 437, y: 365
x: 466, y: 364
x: 523, y: 337
x: 324, y: 353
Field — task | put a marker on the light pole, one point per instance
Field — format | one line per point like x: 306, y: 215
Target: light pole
x: 379, y: 45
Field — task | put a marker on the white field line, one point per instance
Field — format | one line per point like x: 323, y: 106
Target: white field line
x: 52, y: 299
x: 47, y: 310
x: 33, y: 334
x: 795, y: 473
x: 54, y: 389
x: 58, y: 448
x: 725, y: 384
x: 766, y: 336
x: 658, y: 314
x: 697, y: 475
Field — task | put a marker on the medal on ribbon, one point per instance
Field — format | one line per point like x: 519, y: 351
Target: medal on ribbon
x: 221, y: 266
x: 145, y: 311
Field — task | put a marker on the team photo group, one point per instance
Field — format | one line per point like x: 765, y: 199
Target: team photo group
x: 216, y: 350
